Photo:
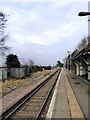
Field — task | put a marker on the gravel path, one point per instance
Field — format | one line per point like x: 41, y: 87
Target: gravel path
x: 12, y: 97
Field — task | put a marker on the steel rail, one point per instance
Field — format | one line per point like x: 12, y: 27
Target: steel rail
x: 46, y: 99
x: 18, y: 104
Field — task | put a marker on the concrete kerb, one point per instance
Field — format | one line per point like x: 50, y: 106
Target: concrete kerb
x: 51, y: 107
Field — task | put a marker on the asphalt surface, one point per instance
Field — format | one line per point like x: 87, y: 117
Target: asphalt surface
x: 81, y: 91
x: 71, y: 99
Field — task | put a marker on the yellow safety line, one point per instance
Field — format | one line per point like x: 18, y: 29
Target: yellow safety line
x: 73, y: 104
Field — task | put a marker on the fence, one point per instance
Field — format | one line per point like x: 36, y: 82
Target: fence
x: 3, y: 73
x: 14, y: 73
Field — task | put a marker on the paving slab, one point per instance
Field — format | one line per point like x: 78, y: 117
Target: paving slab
x: 81, y: 92
x: 61, y: 108
x: 66, y: 105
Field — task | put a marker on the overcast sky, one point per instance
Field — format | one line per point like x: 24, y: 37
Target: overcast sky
x: 44, y: 31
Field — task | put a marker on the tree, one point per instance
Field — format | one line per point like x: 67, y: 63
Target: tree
x: 83, y: 43
x: 59, y: 63
x: 88, y: 38
x: 31, y: 63
x: 12, y: 61
x: 3, y: 37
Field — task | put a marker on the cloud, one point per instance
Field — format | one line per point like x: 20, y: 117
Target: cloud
x: 57, y: 33
x: 30, y: 39
x: 27, y: 25
x: 46, y: 29
x: 64, y: 1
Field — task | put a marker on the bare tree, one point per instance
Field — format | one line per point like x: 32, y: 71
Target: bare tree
x: 3, y: 37
x: 88, y: 38
x: 83, y: 43
x: 30, y: 62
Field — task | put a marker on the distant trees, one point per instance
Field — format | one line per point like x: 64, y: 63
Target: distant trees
x: 59, y: 63
x: 88, y: 38
x: 3, y: 37
x: 12, y: 61
x: 31, y: 63
x: 83, y: 43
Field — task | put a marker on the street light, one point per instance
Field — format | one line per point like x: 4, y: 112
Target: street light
x: 86, y: 14
x: 83, y: 13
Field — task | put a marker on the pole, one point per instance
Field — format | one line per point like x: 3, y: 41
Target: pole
x: 89, y: 22
x: 70, y: 63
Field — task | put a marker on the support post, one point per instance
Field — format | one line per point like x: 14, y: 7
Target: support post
x: 80, y: 68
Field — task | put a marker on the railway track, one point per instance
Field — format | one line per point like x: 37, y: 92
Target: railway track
x: 32, y: 105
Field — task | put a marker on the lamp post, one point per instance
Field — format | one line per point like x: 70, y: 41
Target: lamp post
x: 81, y: 14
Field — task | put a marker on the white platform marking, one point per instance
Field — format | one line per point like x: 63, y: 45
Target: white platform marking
x: 51, y: 107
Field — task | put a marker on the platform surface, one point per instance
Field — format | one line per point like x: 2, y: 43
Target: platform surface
x: 70, y: 98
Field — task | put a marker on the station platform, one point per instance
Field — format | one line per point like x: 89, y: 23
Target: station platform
x: 70, y: 98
